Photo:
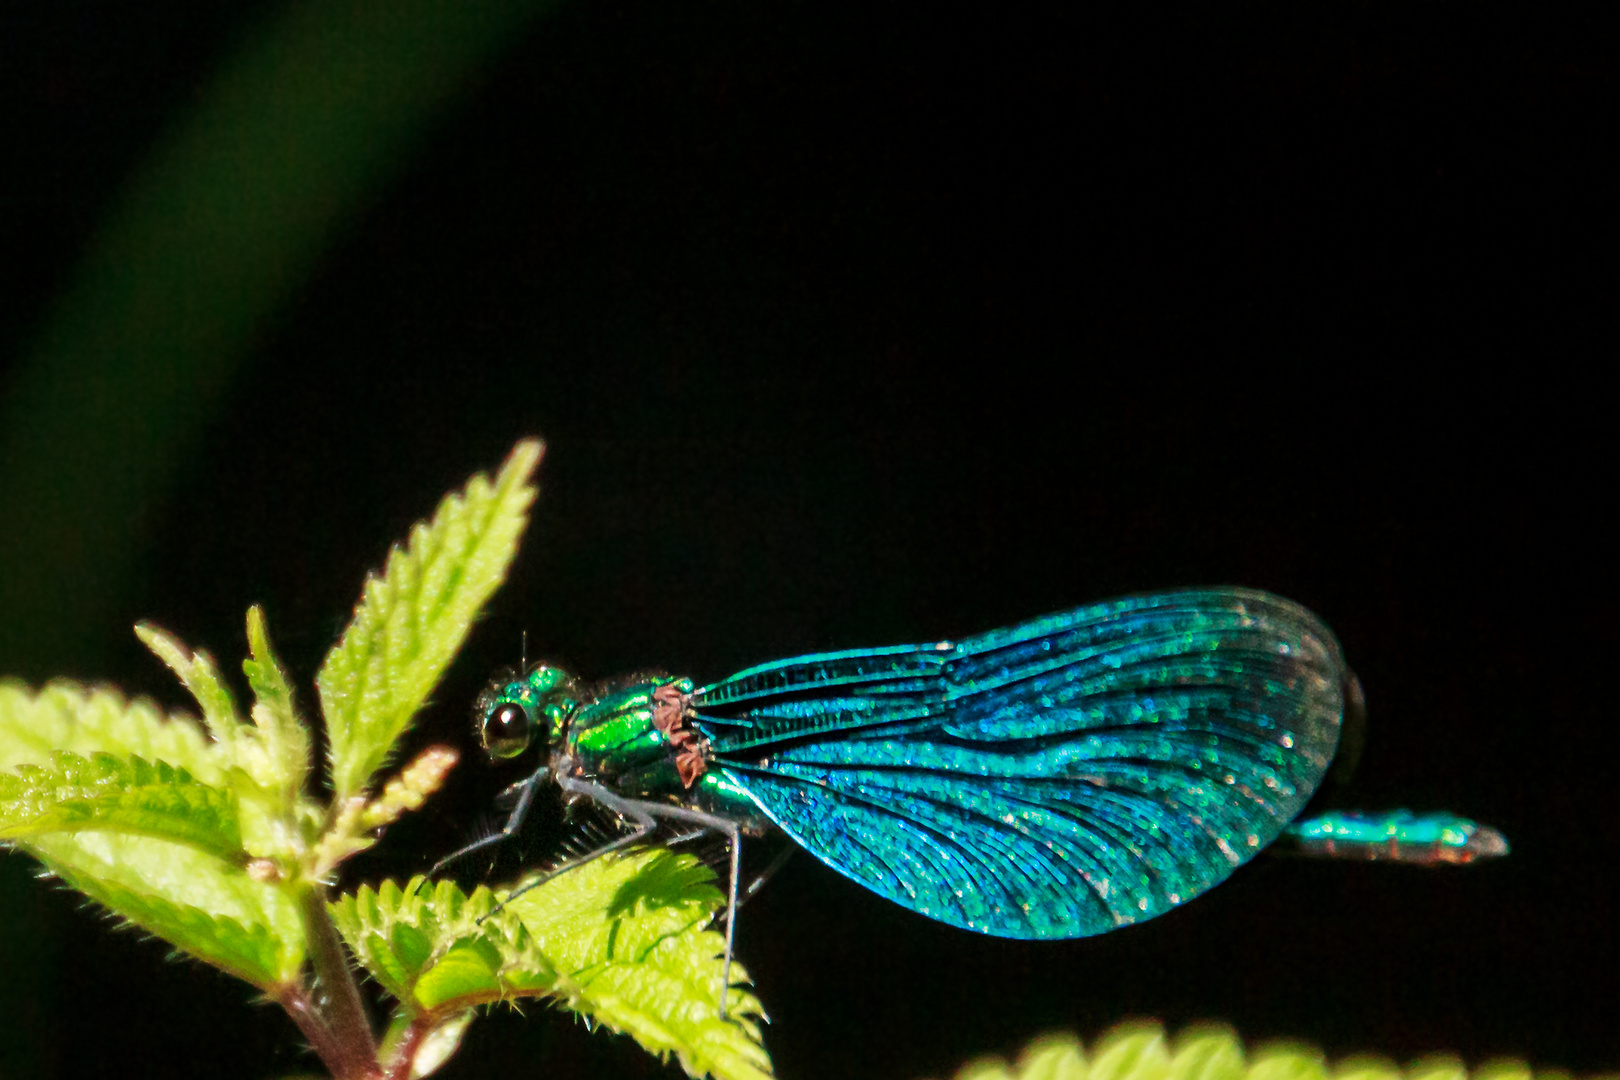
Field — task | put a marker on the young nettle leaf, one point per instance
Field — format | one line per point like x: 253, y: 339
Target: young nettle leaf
x: 282, y: 739
x: 201, y: 904
x: 140, y: 813
x: 269, y: 759
x: 630, y: 932
x: 413, y: 618
x: 65, y: 717
x: 616, y: 908
x: 430, y: 947
x: 124, y: 795
x: 266, y: 762
x: 200, y: 677
x: 621, y: 940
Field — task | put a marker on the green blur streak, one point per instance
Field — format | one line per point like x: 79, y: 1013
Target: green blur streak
x: 231, y: 212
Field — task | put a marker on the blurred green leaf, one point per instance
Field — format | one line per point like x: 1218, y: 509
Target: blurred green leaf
x: 1051, y: 1057
x: 1207, y: 1052
x: 1287, y: 1061
x: 1055, y: 1058
x: 1437, y: 1067
x: 1131, y: 1052
x: 1142, y: 1051
x: 1366, y: 1067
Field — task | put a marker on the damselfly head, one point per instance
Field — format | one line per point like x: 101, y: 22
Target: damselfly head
x: 516, y: 711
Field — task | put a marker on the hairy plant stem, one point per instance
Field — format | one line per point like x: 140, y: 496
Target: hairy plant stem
x: 338, y: 1010
x: 345, y: 1064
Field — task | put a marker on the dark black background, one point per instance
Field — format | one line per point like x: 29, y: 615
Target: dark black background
x: 853, y: 325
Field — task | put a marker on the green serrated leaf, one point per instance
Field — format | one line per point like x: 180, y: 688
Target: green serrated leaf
x: 622, y: 940
x: 282, y: 736
x: 412, y: 946
x: 631, y: 933
x: 200, y: 676
x: 410, y: 621
x: 392, y: 970
x: 618, y: 907
x: 668, y: 1009
x: 361, y: 927
x: 196, y: 902
x: 430, y: 947
x: 64, y: 716
x: 468, y: 969
x: 125, y: 795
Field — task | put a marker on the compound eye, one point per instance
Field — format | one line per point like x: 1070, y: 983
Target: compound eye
x: 507, y: 730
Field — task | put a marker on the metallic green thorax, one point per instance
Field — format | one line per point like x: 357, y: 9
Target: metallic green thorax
x: 633, y: 735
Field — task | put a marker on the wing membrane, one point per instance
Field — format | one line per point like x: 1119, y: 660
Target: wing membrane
x: 1058, y: 778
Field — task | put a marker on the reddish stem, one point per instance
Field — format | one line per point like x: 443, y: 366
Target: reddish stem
x: 346, y: 1062
x: 341, y: 1008
x: 335, y: 1021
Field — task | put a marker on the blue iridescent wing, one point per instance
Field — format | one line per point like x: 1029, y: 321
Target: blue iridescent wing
x: 1058, y: 778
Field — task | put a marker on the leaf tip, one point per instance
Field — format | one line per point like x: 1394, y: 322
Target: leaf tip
x: 162, y: 643
x: 525, y: 456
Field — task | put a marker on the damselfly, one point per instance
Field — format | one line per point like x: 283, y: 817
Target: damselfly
x: 1063, y: 777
